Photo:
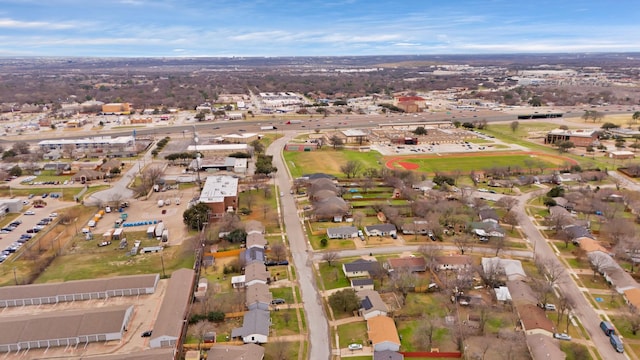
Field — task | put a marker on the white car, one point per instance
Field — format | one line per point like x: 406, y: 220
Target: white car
x: 550, y: 307
x: 107, y: 209
x: 29, y: 212
x: 53, y: 215
x: 355, y: 347
x: 562, y: 336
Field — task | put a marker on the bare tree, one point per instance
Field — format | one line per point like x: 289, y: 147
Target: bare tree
x: 430, y: 253
x: 633, y: 317
x: 618, y: 229
x: 598, y: 263
x: 542, y: 289
x: 278, y: 251
x: 511, y: 218
x: 330, y: 257
x: 279, y: 350
x: 499, y: 243
x: 507, y: 203
x: 551, y: 270
x: 358, y: 218
x: 463, y: 242
x: 424, y: 333
x: 351, y: 168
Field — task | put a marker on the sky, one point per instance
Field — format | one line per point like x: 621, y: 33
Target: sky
x: 225, y: 28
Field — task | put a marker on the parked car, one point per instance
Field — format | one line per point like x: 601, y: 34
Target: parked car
x: 45, y: 195
x: 562, y: 336
x: 355, y: 347
x: 147, y: 333
x: 277, y: 301
x: 53, y: 215
x: 104, y: 243
x: 550, y: 307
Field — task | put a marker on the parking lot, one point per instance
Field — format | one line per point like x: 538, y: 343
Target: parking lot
x: 10, y: 240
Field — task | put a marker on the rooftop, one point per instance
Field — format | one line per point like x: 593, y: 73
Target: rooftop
x: 216, y: 188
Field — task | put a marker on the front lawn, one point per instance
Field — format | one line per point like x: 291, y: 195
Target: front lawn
x: 353, y: 333
x: 332, y: 277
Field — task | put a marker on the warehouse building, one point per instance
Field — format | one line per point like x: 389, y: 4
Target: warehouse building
x: 66, y: 328
x: 54, y: 293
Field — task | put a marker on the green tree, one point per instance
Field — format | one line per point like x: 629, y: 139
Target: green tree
x: 556, y: 191
x: 258, y: 146
x: 196, y: 216
x: 264, y: 164
x: 336, y: 141
x: 636, y: 116
x: 609, y: 126
x: 420, y: 130
x: 344, y: 301
x: 15, y: 171
x: 535, y: 101
x: 564, y: 146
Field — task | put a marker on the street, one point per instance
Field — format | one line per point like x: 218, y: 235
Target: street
x: 317, y: 324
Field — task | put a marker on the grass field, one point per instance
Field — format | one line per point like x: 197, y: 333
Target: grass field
x: 469, y: 162
x: 328, y: 161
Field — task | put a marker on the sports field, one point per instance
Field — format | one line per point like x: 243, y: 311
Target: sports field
x: 329, y: 161
x: 465, y: 163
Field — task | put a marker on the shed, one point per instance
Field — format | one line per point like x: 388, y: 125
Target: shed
x: 151, y: 231
x: 117, y: 234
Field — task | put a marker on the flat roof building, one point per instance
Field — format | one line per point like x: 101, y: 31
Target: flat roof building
x: 63, y: 328
x: 52, y: 293
x: 220, y: 193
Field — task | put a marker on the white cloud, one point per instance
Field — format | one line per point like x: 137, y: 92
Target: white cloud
x: 17, y: 24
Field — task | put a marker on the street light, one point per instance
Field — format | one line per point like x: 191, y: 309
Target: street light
x: 195, y: 147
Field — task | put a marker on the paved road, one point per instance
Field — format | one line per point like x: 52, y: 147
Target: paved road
x: 382, y: 250
x: 581, y: 306
x: 317, y: 324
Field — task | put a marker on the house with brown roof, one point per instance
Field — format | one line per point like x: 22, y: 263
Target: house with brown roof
x: 410, y: 264
x: 632, y: 297
x: 383, y: 333
x: 534, y: 320
x: 453, y: 262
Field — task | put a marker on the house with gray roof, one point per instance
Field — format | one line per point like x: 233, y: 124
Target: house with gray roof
x: 253, y: 254
x: 362, y: 284
x: 487, y: 213
x: 342, y: 232
x: 256, y: 240
x: 381, y: 230
x: 487, y: 229
x: 255, y: 327
x: 371, y: 304
x: 258, y: 296
x: 256, y: 273
x: 359, y: 268
x: 235, y: 352
x: 387, y: 355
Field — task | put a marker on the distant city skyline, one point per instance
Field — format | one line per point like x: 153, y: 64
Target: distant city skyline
x: 192, y: 28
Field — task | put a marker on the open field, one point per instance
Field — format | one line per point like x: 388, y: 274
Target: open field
x: 327, y: 161
x: 476, y: 161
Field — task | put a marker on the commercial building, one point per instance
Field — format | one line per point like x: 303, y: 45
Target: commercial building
x: 581, y: 137
x: 220, y: 193
x: 103, y: 142
x: 116, y: 109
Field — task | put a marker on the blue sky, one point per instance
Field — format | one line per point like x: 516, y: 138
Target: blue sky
x: 187, y: 28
